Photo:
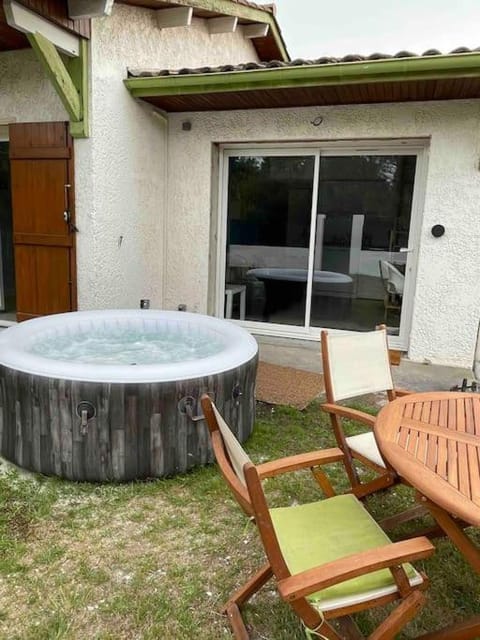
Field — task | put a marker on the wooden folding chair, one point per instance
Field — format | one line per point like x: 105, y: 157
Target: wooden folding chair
x: 329, y: 558
x: 355, y: 364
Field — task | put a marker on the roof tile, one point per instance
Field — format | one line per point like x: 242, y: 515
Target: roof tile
x: 298, y: 62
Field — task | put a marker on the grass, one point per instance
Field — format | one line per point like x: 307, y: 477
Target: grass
x: 157, y: 559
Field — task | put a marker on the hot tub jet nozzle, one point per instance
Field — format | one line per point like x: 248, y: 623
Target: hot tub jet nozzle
x: 84, y: 423
x: 85, y: 411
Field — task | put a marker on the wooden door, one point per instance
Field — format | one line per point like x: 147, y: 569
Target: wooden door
x: 41, y: 159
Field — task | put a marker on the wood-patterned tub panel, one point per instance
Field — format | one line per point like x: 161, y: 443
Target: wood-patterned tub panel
x: 138, y: 430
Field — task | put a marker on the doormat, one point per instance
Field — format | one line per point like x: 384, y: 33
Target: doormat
x: 285, y: 385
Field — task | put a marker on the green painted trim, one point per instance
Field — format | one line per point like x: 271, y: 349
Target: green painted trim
x: 58, y: 74
x: 228, y: 8
x: 69, y: 79
x: 78, y: 69
x: 334, y: 74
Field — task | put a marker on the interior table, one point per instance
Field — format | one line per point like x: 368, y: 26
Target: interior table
x: 286, y: 287
x: 432, y: 440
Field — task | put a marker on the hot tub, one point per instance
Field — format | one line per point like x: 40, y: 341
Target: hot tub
x: 114, y: 395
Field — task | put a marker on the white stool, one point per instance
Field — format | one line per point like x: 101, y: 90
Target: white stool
x: 230, y: 291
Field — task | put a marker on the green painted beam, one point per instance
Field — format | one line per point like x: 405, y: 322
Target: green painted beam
x: 78, y: 69
x: 58, y: 74
x: 333, y: 74
x: 69, y: 79
x: 228, y: 8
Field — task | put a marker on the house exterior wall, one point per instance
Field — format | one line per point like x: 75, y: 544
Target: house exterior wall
x: 447, y: 299
x: 120, y: 170
x: 26, y: 94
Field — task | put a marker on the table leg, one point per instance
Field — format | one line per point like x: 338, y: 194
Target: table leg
x: 455, y: 533
x: 469, y: 630
x: 243, y: 303
x: 229, y: 305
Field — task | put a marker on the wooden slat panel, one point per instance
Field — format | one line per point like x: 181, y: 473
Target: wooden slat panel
x: 432, y: 452
x: 463, y: 470
x: 412, y: 442
x: 57, y: 12
x: 430, y: 412
x: 452, y: 462
x: 34, y: 138
x: 40, y: 153
x: 138, y: 431
x: 442, y: 469
x: 476, y: 417
x: 41, y: 167
x: 42, y: 279
x: 314, y: 96
x: 45, y: 240
x: 38, y: 197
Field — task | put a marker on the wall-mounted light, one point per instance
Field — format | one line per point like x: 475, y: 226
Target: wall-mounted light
x: 438, y: 230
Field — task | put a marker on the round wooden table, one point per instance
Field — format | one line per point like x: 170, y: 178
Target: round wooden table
x: 432, y: 440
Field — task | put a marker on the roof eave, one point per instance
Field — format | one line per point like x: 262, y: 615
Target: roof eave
x: 332, y: 74
x: 245, y: 12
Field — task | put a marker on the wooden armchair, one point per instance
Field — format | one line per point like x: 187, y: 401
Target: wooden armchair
x: 355, y: 364
x: 329, y: 558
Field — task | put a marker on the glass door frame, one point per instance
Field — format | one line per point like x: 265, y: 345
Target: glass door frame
x: 4, y: 137
x: 416, y: 147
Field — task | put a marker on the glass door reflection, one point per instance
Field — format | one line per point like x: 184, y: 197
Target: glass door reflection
x: 363, y: 222
x: 269, y: 212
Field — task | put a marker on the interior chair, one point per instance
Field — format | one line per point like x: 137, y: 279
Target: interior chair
x: 329, y: 558
x: 355, y: 364
x: 393, y: 283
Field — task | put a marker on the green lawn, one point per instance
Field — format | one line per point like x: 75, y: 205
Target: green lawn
x: 157, y: 559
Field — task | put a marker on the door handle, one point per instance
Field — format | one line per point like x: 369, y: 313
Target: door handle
x: 405, y: 250
x: 68, y: 219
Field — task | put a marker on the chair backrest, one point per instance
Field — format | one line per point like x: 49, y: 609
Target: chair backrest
x: 236, y: 453
x: 244, y: 480
x: 229, y: 453
x: 355, y: 364
x: 476, y: 358
x: 393, y: 279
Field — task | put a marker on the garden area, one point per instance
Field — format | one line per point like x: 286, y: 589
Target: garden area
x: 158, y: 559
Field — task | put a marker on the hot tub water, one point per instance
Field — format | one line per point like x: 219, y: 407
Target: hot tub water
x: 129, y: 346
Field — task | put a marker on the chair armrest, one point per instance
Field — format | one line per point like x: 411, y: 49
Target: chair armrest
x: 301, y: 461
x: 351, y: 414
x: 392, y: 555
x: 399, y: 392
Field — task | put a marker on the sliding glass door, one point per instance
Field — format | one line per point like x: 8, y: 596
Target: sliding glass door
x: 319, y: 238
x: 361, y: 245
x: 268, y: 237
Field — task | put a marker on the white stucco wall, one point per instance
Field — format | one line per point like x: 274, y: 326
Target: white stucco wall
x: 39, y: 103
x: 121, y: 169
x: 447, y: 301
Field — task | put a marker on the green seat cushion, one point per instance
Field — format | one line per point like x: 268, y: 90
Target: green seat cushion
x: 319, y: 532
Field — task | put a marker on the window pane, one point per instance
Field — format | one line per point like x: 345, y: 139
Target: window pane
x: 363, y: 220
x: 268, y: 233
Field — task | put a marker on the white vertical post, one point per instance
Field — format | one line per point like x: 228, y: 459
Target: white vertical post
x: 229, y: 305
x: 2, y: 287
x: 319, y: 240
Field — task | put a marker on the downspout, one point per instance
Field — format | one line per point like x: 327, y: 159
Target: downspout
x: 163, y: 120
